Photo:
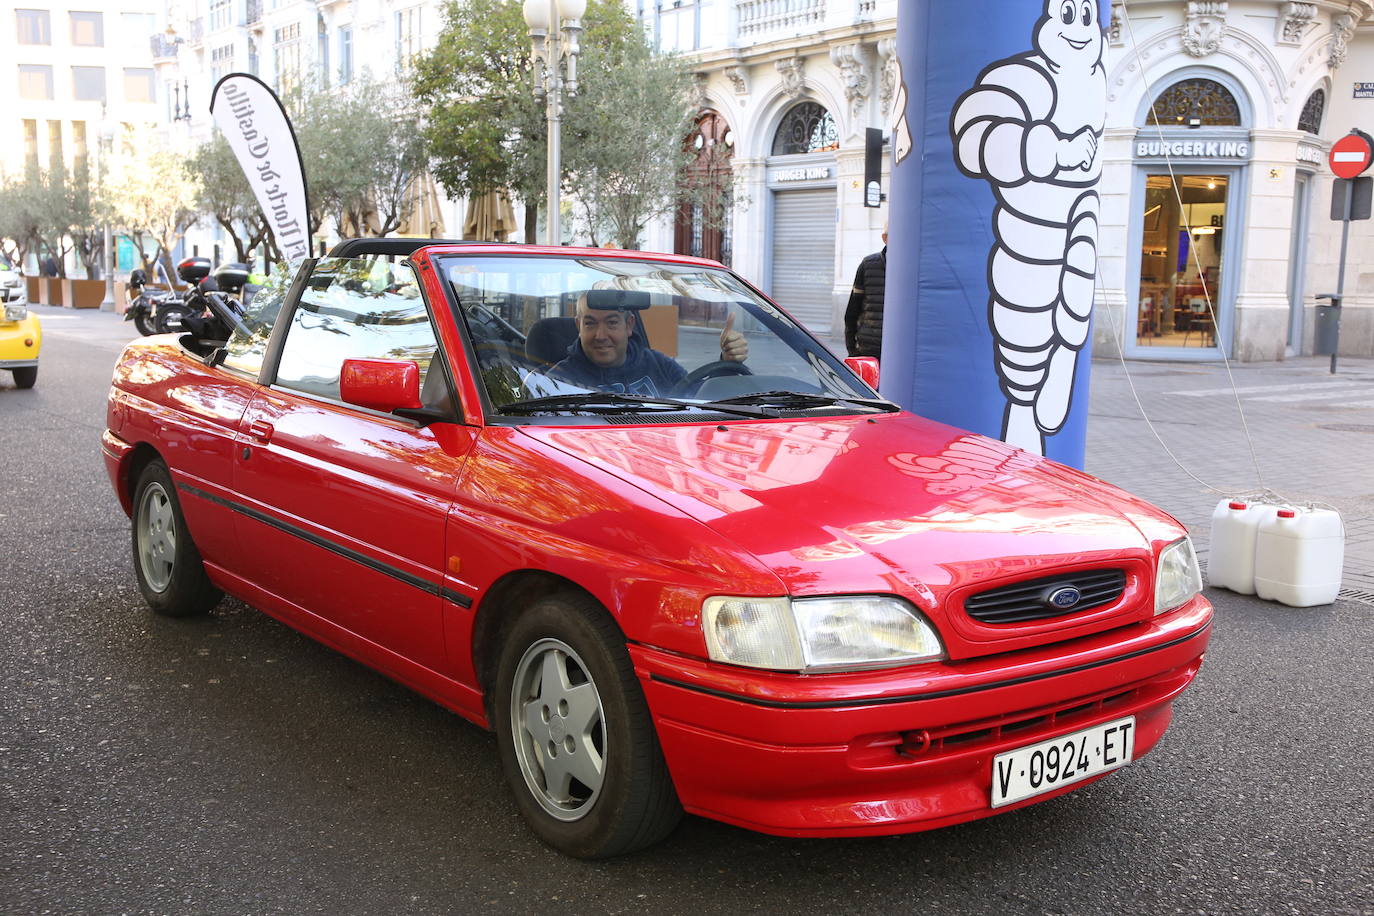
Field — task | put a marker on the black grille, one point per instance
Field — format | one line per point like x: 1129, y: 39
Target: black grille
x: 1030, y: 600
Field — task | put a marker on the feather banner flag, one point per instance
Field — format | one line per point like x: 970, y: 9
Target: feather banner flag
x: 259, y: 132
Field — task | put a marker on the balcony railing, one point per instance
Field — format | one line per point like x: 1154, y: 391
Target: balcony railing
x: 253, y: 14
x: 757, y: 17
x: 163, y: 48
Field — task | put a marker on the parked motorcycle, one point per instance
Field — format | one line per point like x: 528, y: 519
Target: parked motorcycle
x: 143, y: 303
x: 166, y: 311
x: 227, y: 282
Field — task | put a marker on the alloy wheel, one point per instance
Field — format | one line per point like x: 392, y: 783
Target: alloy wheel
x: 559, y: 727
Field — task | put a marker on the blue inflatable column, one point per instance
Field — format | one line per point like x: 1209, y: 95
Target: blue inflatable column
x: 993, y: 217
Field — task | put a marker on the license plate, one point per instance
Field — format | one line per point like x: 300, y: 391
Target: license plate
x: 1038, y: 768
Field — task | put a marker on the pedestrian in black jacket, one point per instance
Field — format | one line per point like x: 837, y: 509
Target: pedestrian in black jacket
x: 863, y: 319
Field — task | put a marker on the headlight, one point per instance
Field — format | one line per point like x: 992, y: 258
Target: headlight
x: 1179, y: 578
x: 810, y: 634
x: 14, y: 282
x: 16, y: 313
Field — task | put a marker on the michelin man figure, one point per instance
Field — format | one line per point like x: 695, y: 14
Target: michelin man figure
x: 1031, y: 128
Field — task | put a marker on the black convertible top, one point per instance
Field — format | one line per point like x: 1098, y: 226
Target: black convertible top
x: 357, y: 248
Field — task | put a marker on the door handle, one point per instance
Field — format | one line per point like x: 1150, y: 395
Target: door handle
x: 260, y: 430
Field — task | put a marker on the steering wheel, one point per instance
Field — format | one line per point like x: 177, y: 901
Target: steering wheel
x: 693, y: 381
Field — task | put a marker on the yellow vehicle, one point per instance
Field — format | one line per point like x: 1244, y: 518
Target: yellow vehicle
x: 21, y: 337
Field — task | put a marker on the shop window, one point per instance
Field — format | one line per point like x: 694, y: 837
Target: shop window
x: 1181, y: 260
x: 806, y: 128
x: 1195, y: 103
x: 1311, y: 118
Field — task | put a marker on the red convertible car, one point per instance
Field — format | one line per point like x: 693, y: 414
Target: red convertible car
x: 623, y: 510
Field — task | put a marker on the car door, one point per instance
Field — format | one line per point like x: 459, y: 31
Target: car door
x: 346, y: 506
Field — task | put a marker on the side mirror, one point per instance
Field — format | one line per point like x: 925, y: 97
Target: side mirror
x: 380, y: 384
x: 865, y: 367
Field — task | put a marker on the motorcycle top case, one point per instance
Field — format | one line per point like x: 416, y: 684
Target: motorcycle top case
x: 231, y: 277
x: 193, y: 270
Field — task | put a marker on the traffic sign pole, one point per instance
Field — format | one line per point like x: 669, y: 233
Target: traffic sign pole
x: 1349, y: 157
x: 1340, y: 271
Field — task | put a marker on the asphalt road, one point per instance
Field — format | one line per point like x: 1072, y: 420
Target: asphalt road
x: 230, y: 765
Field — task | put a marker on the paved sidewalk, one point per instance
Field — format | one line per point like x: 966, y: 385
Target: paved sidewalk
x: 1312, y: 434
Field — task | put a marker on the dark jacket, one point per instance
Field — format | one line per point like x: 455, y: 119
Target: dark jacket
x: 863, y: 319
x: 645, y: 371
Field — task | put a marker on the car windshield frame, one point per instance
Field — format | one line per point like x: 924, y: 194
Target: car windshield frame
x: 836, y: 390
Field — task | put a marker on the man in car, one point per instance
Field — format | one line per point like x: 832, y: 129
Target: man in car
x: 607, y: 356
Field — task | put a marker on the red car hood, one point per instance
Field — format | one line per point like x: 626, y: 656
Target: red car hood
x: 888, y: 503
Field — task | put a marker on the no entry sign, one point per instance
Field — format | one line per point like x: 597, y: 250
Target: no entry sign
x: 1351, y: 155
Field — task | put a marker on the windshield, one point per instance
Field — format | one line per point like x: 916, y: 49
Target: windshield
x: 567, y: 334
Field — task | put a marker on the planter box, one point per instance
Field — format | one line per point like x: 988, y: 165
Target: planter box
x: 37, y: 289
x: 82, y: 294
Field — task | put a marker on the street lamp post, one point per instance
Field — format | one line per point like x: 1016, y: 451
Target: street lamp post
x: 106, y: 142
x: 554, y: 27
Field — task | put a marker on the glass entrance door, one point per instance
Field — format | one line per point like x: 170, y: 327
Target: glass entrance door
x: 1181, y: 252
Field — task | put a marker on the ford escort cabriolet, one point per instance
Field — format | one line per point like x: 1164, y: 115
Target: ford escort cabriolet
x: 623, y: 510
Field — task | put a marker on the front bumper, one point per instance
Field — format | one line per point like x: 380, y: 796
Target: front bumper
x: 906, y: 749
x: 13, y: 295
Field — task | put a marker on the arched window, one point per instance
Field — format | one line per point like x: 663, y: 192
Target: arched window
x: 1195, y: 103
x: 1311, y: 118
x: 806, y: 128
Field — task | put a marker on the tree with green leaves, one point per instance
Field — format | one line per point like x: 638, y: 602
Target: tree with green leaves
x: 363, y: 153
x: 153, y: 196
x: 621, y: 132
x: 85, y: 215
x: 22, y: 202
x: 629, y: 170
x: 226, y: 195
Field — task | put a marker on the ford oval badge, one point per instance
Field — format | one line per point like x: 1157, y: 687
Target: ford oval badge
x: 1064, y: 598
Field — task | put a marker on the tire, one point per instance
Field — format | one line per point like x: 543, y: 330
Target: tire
x: 171, y: 317
x: 613, y: 795
x: 167, y: 564
x: 25, y: 376
x: 143, y: 321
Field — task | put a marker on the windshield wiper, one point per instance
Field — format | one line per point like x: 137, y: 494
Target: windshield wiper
x: 614, y: 402
x: 800, y: 400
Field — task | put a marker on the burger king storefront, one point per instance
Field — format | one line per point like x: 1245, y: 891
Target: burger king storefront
x: 1210, y: 226
x: 1192, y: 195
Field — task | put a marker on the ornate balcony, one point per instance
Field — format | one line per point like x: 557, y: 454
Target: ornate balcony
x: 759, y: 18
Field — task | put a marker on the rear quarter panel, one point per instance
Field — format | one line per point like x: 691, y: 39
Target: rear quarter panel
x: 165, y: 399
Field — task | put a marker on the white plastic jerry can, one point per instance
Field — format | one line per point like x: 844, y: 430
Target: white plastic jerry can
x: 1299, y: 554
x: 1231, y: 561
